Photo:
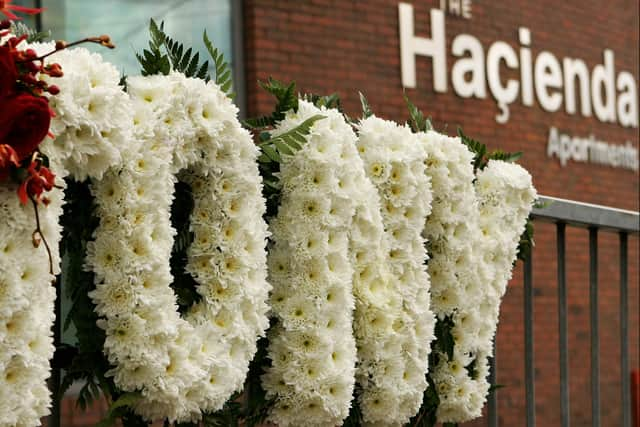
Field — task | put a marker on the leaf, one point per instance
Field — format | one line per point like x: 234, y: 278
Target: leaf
x: 152, y: 60
x: 286, y: 142
x: 223, y: 76
x: 327, y: 101
x: 417, y: 120
x: 475, y: 147
x: 270, y: 153
x: 258, y: 122
x: 444, y: 338
x: 285, y: 95
x: 366, y: 109
x: 504, y: 156
x: 526, y: 243
x: 18, y: 29
x: 127, y: 399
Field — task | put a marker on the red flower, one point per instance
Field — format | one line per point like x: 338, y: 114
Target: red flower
x: 6, y: 7
x: 24, y: 122
x: 39, y: 180
x: 8, y: 71
x: 8, y: 157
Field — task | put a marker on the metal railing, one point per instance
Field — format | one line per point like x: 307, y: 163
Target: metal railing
x: 595, y: 218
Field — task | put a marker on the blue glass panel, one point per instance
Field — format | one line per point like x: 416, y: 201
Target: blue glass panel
x: 127, y: 22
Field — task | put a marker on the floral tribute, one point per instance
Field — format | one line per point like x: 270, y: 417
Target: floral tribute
x: 389, y: 247
x: 472, y: 249
x: 395, y: 162
x: 312, y: 348
x: 185, y: 129
x: 29, y: 260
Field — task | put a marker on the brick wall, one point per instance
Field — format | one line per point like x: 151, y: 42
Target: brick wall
x: 351, y: 46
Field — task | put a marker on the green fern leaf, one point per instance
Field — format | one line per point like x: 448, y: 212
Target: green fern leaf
x: 476, y: 147
x: 287, y: 142
x: 417, y: 120
x: 259, y: 122
x: 223, y: 70
x: 366, y: 109
x: 286, y: 97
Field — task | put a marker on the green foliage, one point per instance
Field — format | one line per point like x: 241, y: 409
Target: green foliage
x: 153, y: 60
x: 526, y: 243
x: 481, y: 154
x: 286, y: 99
x: 256, y: 403
x: 272, y: 151
x: 19, y: 29
x: 417, y: 121
x: 355, y: 418
x: 223, y: 71
x: 366, y: 108
x: 477, y: 148
x: 228, y: 416
x: 444, y: 339
x: 472, y: 370
x: 86, y: 362
x: 426, y: 416
x: 184, y: 286
x: 327, y: 101
x: 185, y: 61
x: 166, y: 54
x: 120, y: 408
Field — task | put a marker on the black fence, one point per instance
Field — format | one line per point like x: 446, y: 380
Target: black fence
x: 564, y: 213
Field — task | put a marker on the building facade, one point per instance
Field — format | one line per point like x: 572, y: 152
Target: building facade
x: 538, y: 77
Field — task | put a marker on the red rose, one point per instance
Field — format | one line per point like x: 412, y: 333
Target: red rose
x: 8, y: 71
x: 24, y: 122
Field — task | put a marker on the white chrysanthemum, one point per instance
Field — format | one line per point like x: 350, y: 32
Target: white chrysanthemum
x: 26, y: 306
x: 473, y: 232
x: 183, y: 128
x: 92, y: 121
x: 312, y: 349
x: 394, y: 161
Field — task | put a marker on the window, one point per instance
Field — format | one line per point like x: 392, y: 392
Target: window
x: 127, y: 22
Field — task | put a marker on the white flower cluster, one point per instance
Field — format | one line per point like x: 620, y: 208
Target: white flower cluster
x: 457, y: 275
x: 27, y: 298
x: 395, y: 163
x: 182, y: 366
x: 473, y: 233
x: 312, y: 348
x: 93, y: 114
x: 87, y: 143
x: 505, y: 196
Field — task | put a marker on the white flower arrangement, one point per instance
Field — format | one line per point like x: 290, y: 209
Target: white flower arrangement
x: 312, y: 348
x: 456, y: 276
x: 394, y: 161
x: 181, y: 366
x: 93, y: 115
x: 26, y: 307
x: 505, y: 196
x: 473, y: 232
x: 26, y: 292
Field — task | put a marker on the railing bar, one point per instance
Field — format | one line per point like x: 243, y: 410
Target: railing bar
x: 493, y: 397
x: 624, y: 344
x: 595, y: 337
x: 528, y: 342
x: 562, y: 325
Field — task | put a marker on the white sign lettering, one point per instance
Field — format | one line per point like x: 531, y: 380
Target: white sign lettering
x: 614, y: 98
x: 588, y: 149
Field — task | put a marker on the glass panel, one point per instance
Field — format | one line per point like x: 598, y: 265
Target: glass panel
x: 127, y: 22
